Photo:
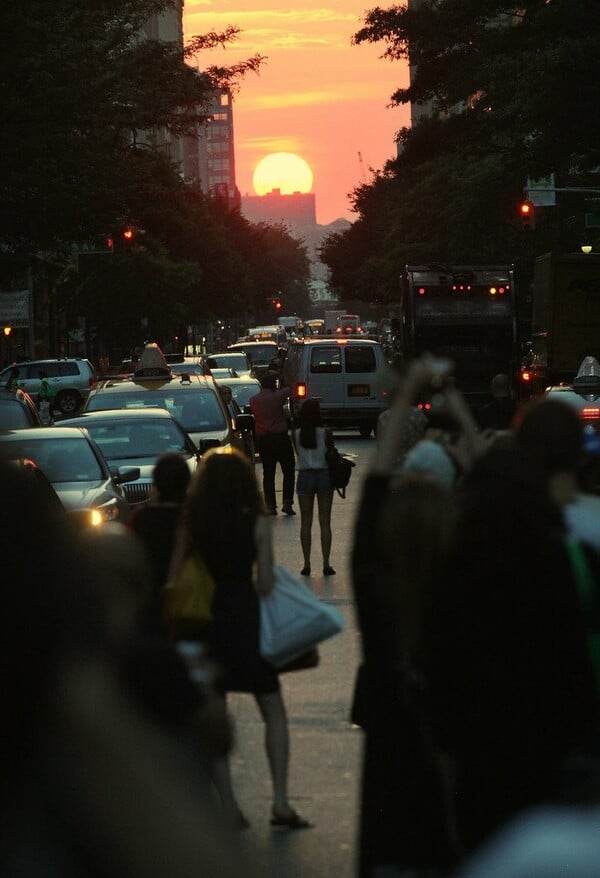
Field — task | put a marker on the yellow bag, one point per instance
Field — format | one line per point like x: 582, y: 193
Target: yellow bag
x: 189, y: 595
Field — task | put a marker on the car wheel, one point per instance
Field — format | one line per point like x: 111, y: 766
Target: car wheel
x: 68, y: 402
x: 365, y: 430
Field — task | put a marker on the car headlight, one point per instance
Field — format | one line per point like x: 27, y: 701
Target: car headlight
x: 107, y: 512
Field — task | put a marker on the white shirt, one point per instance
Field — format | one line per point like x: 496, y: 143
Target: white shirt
x: 311, y: 458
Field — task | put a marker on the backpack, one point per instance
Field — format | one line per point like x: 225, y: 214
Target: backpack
x: 340, y: 469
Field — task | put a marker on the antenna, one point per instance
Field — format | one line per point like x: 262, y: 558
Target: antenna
x: 363, y: 176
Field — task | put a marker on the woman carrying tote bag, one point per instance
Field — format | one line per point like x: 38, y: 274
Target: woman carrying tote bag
x: 226, y: 525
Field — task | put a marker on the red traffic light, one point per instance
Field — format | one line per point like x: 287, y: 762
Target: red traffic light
x: 527, y: 214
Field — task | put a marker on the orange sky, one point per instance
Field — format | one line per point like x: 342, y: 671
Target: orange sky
x: 317, y: 95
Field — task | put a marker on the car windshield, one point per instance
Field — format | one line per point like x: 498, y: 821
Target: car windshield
x: 61, y: 460
x: 232, y: 361
x: 119, y: 440
x: 196, y: 408
x: 242, y: 392
x: 196, y: 368
x: 261, y: 353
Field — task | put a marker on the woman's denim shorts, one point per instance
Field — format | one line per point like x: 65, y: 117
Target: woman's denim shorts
x: 313, y: 481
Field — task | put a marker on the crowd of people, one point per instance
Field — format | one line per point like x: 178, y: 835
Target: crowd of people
x: 476, y: 582
x: 475, y: 577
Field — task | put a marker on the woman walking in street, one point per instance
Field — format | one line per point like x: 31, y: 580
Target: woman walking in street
x: 225, y: 523
x: 312, y: 440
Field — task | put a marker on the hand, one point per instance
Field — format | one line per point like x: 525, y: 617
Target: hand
x: 426, y: 372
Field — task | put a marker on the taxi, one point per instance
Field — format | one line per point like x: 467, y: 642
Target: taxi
x: 192, y: 399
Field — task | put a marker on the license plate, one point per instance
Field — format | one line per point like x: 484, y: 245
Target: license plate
x: 359, y: 390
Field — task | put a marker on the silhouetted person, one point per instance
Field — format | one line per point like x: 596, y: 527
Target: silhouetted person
x: 498, y: 414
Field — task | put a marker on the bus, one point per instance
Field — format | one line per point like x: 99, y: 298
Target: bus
x: 465, y: 313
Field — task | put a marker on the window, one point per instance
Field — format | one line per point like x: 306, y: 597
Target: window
x: 359, y: 359
x: 324, y: 361
x: 67, y: 369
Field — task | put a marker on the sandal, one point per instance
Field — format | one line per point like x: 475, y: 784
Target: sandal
x: 328, y: 571
x: 292, y: 821
x: 305, y: 571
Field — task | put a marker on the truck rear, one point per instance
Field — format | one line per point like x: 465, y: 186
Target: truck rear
x: 465, y: 313
x: 565, y: 318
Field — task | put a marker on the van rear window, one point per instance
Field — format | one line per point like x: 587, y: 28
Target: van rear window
x: 326, y: 360
x: 360, y: 359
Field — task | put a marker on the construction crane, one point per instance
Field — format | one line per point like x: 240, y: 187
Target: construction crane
x: 363, y: 176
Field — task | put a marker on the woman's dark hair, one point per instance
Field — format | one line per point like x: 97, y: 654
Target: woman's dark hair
x: 171, y: 478
x: 309, y: 418
x: 550, y: 434
x: 222, y: 504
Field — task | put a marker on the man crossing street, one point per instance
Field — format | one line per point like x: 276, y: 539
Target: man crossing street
x: 273, y: 442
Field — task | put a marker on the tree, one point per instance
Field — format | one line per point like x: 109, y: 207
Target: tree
x: 509, y: 93
x: 77, y: 85
x: 520, y: 81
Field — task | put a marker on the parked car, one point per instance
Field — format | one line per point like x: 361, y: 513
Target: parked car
x: 137, y: 437
x: 17, y: 410
x: 71, y: 378
x: 74, y: 466
x: 192, y: 399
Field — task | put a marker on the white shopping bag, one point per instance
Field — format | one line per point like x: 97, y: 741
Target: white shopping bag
x: 293, y: 620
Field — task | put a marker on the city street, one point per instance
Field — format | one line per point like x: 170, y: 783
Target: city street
x: 325, y: 748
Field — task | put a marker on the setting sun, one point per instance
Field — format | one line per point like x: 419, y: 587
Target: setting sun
x: 285, y: 171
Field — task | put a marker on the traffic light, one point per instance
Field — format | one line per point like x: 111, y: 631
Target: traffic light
x: 527, y: 214
x: 7, y: 330
x: 276, y: 303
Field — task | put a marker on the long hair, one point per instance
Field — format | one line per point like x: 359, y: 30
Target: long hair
x: 309, y: 418
x: 416, y: 527
x: 222, y: 504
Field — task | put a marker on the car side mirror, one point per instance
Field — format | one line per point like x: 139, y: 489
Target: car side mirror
x: 245, y: 422
x: 126, y: 474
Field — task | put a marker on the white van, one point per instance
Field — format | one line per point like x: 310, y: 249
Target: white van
x: 344, y: 374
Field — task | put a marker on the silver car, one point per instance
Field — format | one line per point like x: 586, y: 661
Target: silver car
x: 74, y: 466
x: 137, y: 438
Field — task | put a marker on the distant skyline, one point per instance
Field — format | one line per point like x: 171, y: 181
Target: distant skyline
x: 317, y: 95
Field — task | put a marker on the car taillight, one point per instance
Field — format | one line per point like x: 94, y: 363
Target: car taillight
x: 590, y: 414
x: 301, y: 391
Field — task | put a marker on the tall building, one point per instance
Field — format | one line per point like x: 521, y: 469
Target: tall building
x: 297, y: 211
x: 207, y: 160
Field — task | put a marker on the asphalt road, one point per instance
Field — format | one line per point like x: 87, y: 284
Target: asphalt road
x: 325, y: 748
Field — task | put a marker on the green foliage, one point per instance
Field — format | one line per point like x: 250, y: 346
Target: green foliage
x: 510, y: 92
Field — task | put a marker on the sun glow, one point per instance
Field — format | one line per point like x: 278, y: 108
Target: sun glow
x: 285, y: 171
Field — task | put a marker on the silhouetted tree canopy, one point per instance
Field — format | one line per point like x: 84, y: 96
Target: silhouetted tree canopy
x: 508, y: 93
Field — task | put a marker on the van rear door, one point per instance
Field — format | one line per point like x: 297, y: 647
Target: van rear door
x: 361, y: 364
